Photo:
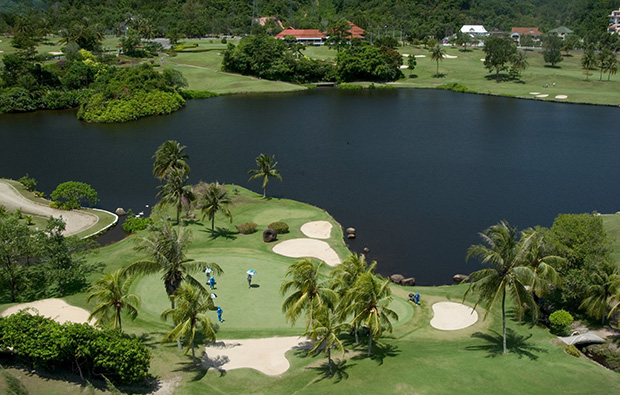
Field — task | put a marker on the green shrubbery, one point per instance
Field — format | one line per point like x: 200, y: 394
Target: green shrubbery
x: 193, y: 94
x: 572, y: 350
x: 44, y: 343
x: 28, y: 182
x: 455, y: 87
x: 279, y: 227
x: 560, y: 321
x: 607, y: 354
x: 246, y: 228
x: 69, y: 195
x: 135, y: 224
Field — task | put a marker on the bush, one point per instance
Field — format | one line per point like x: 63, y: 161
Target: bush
x: 572, y: 350
x: 344, y: 85
x: 70, y: 194
x: 455, y: 87
x: 606, y: 354
x: 560, y: 321
x: 28, y: 182
x: 193, y: 94
x: 246, y: 228
x: 279, y: 227
x: 42, y: 342
x: 135, y: 224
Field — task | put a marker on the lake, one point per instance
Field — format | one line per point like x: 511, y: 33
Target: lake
x: 418, y: 173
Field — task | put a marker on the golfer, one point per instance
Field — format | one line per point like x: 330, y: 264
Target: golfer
x: 219, y: 313
x: 249, y: 280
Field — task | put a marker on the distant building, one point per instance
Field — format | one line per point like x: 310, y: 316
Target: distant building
x: 315, y: 36
x: 517, y: 32
x: 561, y: 32
x: 614, y: 22
x: 474, y: 30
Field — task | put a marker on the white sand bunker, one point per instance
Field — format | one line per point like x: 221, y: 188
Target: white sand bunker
x: 56, y: 309
x: 482, y: 59
x: 302, y: 248
x: 317, y: 229
x: 543, y: 95
x: 561, y: 97
x: 534, y: 93
x: 450, y: 316
x: 420, y: 56
x: 403, y: 66
x: 450, y: 56
x: 264, y: 355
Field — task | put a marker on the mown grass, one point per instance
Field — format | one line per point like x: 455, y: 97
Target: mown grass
x: 611, y: 224
x: 415, y: 358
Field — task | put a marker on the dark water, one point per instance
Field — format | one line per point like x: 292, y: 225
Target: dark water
x: 419, y: 173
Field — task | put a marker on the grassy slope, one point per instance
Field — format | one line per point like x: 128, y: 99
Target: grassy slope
x: 414, y: 359
x: 611, y: 223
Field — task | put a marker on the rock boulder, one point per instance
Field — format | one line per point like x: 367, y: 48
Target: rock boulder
x: 397, y: 278
x: 269, y: 235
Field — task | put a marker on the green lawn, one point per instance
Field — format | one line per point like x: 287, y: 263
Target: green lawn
x: 415, y: 358
x: 611, y: 224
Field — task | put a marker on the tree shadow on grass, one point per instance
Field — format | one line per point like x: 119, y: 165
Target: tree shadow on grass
x: 515, y: 343
x: 379, y: 352
x: 439, y: 75
x: 498, y: 78
x: 339, y: 371
x: 222, y: 232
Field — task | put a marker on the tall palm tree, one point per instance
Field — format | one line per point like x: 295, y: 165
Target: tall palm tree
x: 112, y: 293
x: 437, y: 54
x: 543, y: 265
x: 506, y: 255
x: 605, y: 284
x: 214, y: 199
x: 367, y: 302
x: 189, y: 316
x: 266, y: 170
x: 325, y: 333
x: 166, y: 249
x: 519, y: 62
x: 312, y: 291
x: 588, y: 60
x: 175, y: 191
x: 170, y: 155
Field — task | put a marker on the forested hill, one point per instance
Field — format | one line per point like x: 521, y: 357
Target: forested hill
x: 414, y: 18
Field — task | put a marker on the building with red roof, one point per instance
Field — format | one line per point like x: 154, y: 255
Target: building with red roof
x: 517, y: 32
x: 315, y: 36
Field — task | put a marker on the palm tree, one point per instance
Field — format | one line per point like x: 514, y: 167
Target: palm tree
x: 519, y: 62
x: 166, y: 248
x: 588, y: 61
x: 214, y: 199
x: 266, y: 169
x: 189, y: 316
x: 367, y: 301
x: 175, y: 191
x: 311, y: 291
x: 325, y: 332
x: 605, y: 284
x: 543, y: 265
x: 170, y: 155
x: 112, y: 293
x: 437, y: 54
x: 611, y: 64
x: 506, y: 256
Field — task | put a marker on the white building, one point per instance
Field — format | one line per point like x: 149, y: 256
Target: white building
x: 614, y: 22
x: 474, y: 30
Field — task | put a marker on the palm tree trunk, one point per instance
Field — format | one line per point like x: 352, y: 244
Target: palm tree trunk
x: 213, y: 225
x: 193, y: 354
x: 264, y: 189
x: 329, y: 361
x: 357, y: 339
x: 504, y: 319
x: 118, y: 317
x: 370, y: 343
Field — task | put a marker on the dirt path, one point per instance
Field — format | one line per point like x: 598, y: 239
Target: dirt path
x: 76, y: 221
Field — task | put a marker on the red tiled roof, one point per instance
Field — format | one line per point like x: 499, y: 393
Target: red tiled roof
x: 532, y: 31
x: 356, y: 31
x: 300, y: 33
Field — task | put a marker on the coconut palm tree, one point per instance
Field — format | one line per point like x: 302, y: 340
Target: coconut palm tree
x: 168, y: 156
x: 507, y: 273
x: 519, y: 62
x: 588, y: 60
x: 312, y: 291
x: 543, y: 265
x: 266, y: 170
x: 175, y: 191
x: 437, y: 54
x: 166, y: 248
x: 367, y: 302
x: 112, y: 293
x: 215, y: 199
x: 605, y: 284
x: 325, y: 333
x: 189, y: 316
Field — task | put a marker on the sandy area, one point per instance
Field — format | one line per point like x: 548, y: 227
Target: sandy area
x: 450, y: 56
x: 482, y: 59
x: 302, y: 248
x: 543, y: 95
x: 56, y: 309
x: 561, y: 97
x: 534, y: 93
x: 420, y: 56
x: 264, y: 355
x: 317, y: 229
x: 403, y: 66
x: 450, y: 316
x: 76, y: 221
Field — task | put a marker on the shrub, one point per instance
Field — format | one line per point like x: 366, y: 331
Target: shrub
x: 572, y: 350
x: 455, y: 87
x: 560, y: 321
x: 70, y: 194
x: 193, y: 94
x: 279, y: 227
x: 606, y: 354
x: 344, y: 85
x: 135, y: 224
x: 246, y: 228
x: 28, y: 182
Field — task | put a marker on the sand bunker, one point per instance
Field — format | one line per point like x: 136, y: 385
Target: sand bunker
x: 561, y: 97
x: 420, y: 56
x: 450, y: 316
x: 534, y: 93
x: 317, y: 229
x: 482, y: 59
x: 543, y: 95
x: 76, y: 221
x: 302, y: 248
x: 403, y: 66
x: 264, y: 355
x: 450, y: 56
x: 56, y: 309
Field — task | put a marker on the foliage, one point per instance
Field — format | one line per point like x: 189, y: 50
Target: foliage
x: 69, y: 195
x: 28, y: 182
x: 246, y: 228
x: 552, y: 46
x: 499, y: 51
x: 279, y: 227
x: 560, y: 321
x: 572, y: 350
x: 193, y: 94
x: 215, y: 199
x: 41, y: 342
x: 266, y: 170
x: 606, y: 354
x: 170, y: 155
x: 112, y: 293
x: 135, y: 224
x: 175, y: 191
x: 368, y: 63
x: 455, y: 87
x: 437, y: 54
x: 348, y: 86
